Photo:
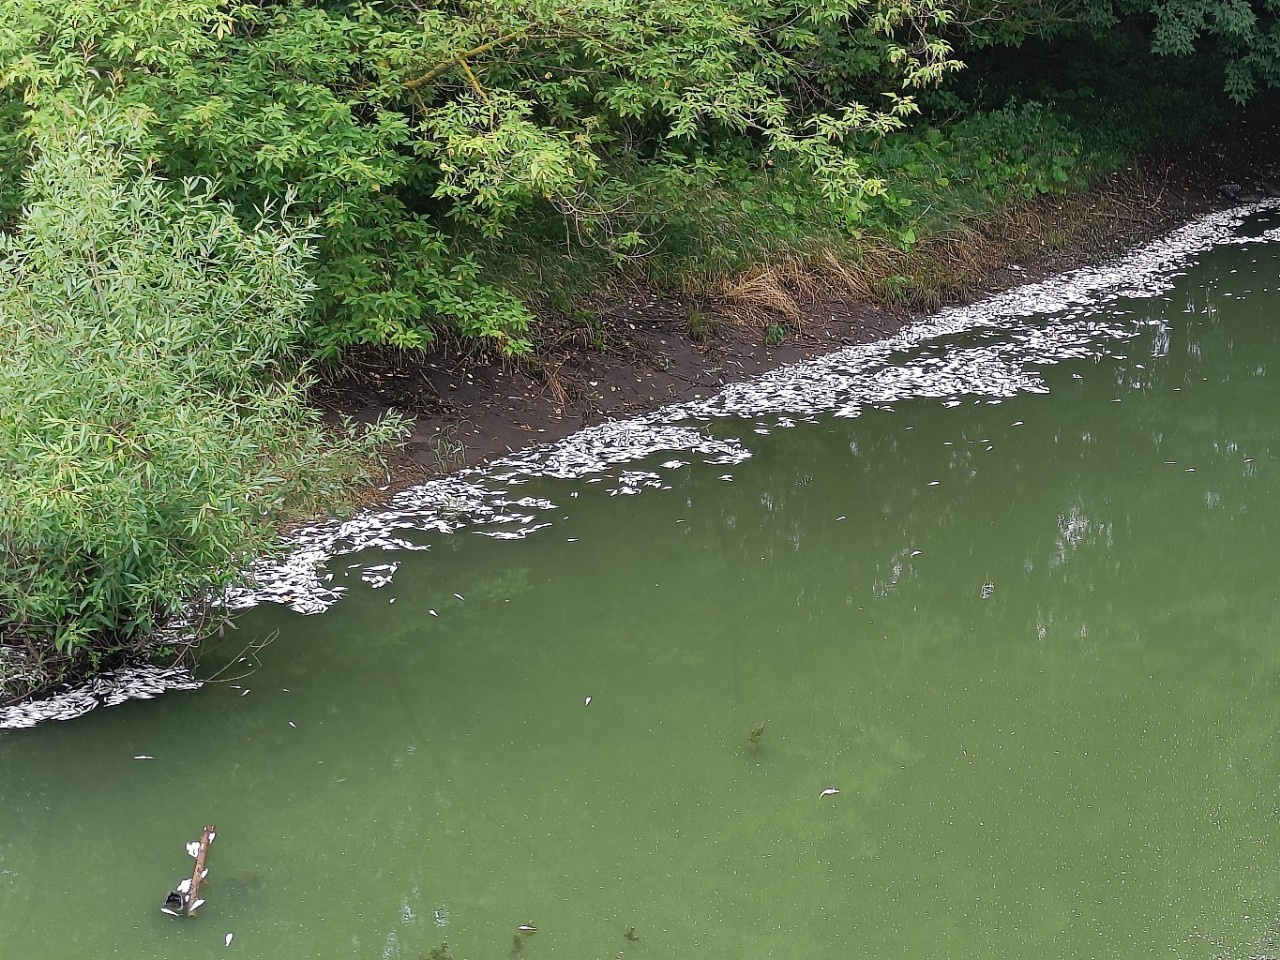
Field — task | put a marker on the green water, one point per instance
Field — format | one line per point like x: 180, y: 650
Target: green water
x: 1046, y: 688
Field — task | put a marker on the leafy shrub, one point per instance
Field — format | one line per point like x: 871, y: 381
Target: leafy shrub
x: 153, y: 429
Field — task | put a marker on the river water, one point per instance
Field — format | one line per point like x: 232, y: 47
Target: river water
x: 1007, y: 584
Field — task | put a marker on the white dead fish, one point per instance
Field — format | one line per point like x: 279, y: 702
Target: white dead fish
x: 433, y: 613
x: 245, y: 693
x: 292, y: 724
x: 828, y: 792
x: 204, y: 873
x: 172, y: 913
x: 227, y: 940
x: 586, y: 702
x: 212, y: 835
x: 193, y: 848
x: 144, y: 756
x: 184, y: 886
x: 460, y: 596
x: 527, y: 928
x: 195, y: 906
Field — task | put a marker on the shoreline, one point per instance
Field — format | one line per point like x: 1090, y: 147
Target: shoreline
x: 471, y: 413
x: 627, y: 453
x: 640, y: 354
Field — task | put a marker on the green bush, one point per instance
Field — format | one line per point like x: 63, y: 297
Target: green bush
x: 153, y: 427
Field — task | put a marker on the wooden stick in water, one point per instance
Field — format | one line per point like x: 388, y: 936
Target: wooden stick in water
x: 197, y: 875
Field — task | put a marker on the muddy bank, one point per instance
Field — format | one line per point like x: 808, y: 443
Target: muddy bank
x: 645, y: 351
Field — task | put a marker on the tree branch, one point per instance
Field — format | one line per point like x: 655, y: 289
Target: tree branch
x: 465, y: 55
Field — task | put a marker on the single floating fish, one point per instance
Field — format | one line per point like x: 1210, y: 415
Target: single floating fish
x: 828, y: 792
x: 184, y: 886
x: 193, y: 848
x: 586, y: 702
x: 227, y: 940
x: 527, y: 928
x: 144, y: 756
x: 195, y: 906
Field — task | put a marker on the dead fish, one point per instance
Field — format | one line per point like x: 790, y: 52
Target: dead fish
x: 433, y: 613
x: 460, y: 596
x: 144, y: 756
x: 193, y: 848
x: 227, y: 940
x: 204, y: 873
x: 184, y: 886
x: 526, y: 929
x: 212, y: 835
x: 195, y: 906
x: 586, y: 702
x: 828, y: 792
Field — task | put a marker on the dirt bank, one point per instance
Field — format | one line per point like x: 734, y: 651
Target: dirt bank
x: 645, y: 351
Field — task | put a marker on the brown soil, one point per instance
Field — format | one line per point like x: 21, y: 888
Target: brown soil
x: 641, y: 353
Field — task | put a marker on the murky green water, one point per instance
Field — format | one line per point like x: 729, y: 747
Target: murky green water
x: 1033, y: 645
